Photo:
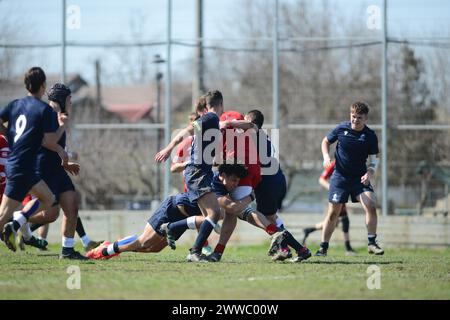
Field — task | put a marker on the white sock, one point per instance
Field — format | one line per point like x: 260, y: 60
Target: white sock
x: 85, y: 239
x: 279, y: 222
x: 191, y: 222
x: 68, y: 242
x: 110, y: 249
x: 20, y: 218
x: 17, y: 214
x: 26, y: 231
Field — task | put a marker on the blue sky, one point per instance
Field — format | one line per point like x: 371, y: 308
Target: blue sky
x: 115, y: 20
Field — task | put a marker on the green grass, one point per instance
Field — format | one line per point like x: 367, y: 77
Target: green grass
x: 246, y: 272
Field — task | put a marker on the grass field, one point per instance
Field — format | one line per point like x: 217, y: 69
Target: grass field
x: 245, y: 273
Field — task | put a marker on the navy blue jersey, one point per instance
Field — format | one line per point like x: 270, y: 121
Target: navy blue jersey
x: 218, y: 187
x: 191, y: 208
x: 28, y: 119
x: 266, y: 156
x: 49, y: 162
x: 201, y: 141
x: 353, y: 148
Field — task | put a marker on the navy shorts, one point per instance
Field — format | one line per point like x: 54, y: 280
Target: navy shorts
x: 18, y: 186
x: 341, y: 187
x: 59, y: 182
x: 198, y: 181
x: 270, y: 193
x: 166, y: 212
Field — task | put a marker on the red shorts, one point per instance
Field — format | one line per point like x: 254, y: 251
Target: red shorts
x: 253, y: 177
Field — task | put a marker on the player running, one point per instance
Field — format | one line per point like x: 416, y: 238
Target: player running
x: 343, y: 215
x: 59, y: 182
x: 198, y: 172
x: 356, y: 143
x: 30, y: 126
x: 180, y: 161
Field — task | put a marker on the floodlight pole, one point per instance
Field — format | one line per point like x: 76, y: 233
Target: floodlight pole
x: 168, y: 96
x: 384, y: 133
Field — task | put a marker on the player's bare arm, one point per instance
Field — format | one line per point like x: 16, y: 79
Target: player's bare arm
x: 50, y: 142
x: 73, y: 168
x: 324, y: 183
x: 238, y: 124
x: 178, y: 166
x: 371, y: 169
x: 326, y: 152
x: 232, y: 206
x: 164, y: 154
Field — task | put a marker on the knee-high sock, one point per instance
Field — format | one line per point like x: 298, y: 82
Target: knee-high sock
x: 179, y: 226
x: 290, y: 240
x: 35, y: 226
x: 206, y: 228
x: 23, y: 216
x: 113, y: 248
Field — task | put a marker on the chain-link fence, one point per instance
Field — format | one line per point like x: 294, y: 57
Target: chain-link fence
x: 329, y: 56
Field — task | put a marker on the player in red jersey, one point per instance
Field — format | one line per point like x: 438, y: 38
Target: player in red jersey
x: 242, y: 150
x: 343, y: 216
x: 183, y: 152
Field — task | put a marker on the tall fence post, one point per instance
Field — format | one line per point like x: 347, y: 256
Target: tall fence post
x: 384, y: 133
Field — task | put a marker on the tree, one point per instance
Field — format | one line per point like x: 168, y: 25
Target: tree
x: 411, y: 103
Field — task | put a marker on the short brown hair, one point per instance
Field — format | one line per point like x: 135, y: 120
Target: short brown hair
x: 34, y: 79
x: 200, y: 105
x: 359, y: 107
x: 193, y: 116
x: 214, y: 98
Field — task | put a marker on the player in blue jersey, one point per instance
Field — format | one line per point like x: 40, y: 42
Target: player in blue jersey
x: 225, y: 181
x: 174, y: 216
x: 271, y: 191
x: 172, y: 209
x: 198, y: 172
x: 30, y: 126
x: 355, y: 143
x: 59, y: 182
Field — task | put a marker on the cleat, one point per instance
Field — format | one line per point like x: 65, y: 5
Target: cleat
x: 207, y: 250
x: 217, y: 228
x: 275, y: 244
x: 321, y: 253
x: 20, y: 241
x: 92, y: 245
x: 350, y: 253
x: 282, y: 254
x: 214, y: 257
x: 195, y: 257
x: 36, y: 242
x: 164, y: 229
x: 303, y: 255
x: 74, y: 255
x: 9, y: 236
x: 97, y: 253
x: 375, y: 249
